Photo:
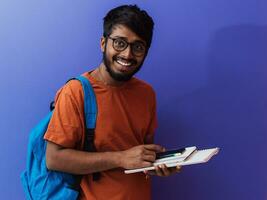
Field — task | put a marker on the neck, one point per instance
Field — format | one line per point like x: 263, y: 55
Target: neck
x: 101, y: 74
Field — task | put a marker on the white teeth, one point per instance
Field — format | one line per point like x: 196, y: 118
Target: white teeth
x: 123, y: 63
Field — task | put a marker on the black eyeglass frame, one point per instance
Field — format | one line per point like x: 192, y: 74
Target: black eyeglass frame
x: 127, y: 44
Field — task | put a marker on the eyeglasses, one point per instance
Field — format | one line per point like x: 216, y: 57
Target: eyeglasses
x: 120, y: 44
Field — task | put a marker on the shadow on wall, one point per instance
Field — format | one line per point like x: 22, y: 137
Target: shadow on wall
x: 229, y: 112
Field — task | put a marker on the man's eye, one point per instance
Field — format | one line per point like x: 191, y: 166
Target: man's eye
x: 139, y: 47
x: 120, y: 43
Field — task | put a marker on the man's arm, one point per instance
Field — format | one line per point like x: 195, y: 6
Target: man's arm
x: 81, y: 162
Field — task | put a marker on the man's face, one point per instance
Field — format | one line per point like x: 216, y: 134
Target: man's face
x: 122, y: 64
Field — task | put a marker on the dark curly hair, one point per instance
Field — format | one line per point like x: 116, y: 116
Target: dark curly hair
x: 133, y: 18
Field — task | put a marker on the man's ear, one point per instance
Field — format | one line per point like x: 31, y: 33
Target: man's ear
x: 102, y: 43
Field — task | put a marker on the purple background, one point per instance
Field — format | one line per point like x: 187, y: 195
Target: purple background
x: 207, y: 64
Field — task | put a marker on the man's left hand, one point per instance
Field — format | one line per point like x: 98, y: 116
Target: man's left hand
x: 163, y: 170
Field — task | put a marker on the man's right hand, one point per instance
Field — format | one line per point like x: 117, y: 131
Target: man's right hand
x: 140, y: 156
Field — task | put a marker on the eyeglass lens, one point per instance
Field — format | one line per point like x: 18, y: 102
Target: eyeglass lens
x: 120, y: 44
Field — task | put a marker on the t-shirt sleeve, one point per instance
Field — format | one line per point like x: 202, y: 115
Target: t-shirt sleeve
x: 66, y: 125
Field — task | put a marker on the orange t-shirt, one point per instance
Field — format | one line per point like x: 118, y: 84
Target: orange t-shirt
x: 126, y: 114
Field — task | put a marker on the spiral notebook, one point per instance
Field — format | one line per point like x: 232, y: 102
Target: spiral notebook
x: 189, y: 157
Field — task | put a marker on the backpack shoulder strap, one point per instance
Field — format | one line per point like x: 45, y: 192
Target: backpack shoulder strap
x: 90, y: 105
x: 90, y: 112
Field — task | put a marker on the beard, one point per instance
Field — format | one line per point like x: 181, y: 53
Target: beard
x: 119, y: 76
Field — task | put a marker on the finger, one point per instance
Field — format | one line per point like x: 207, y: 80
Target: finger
x: 149, y: 158
x: 178, y: 168
x: 146, y: 164
x: 175, y: 169
x: 154, y: 147
x: 165, y: 170
x: 149, y: 152
x: 158, y: 171
x: 146, y: 174
x: 151, y: 172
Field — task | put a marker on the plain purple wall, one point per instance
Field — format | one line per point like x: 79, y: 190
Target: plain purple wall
x: 207, y: 64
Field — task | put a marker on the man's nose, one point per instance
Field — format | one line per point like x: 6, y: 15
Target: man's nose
x: 127, y: 53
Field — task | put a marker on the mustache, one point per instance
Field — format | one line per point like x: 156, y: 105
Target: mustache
x: 133, y: 61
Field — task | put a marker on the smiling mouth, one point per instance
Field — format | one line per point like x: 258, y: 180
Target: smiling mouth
x: 124, y: 62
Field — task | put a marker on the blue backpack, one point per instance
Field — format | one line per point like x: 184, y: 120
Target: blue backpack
x: 38, y: 182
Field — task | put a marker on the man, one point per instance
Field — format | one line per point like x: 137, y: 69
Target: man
x: 126, y: 118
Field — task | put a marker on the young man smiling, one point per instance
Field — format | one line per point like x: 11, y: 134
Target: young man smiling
x: 126, y: 118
